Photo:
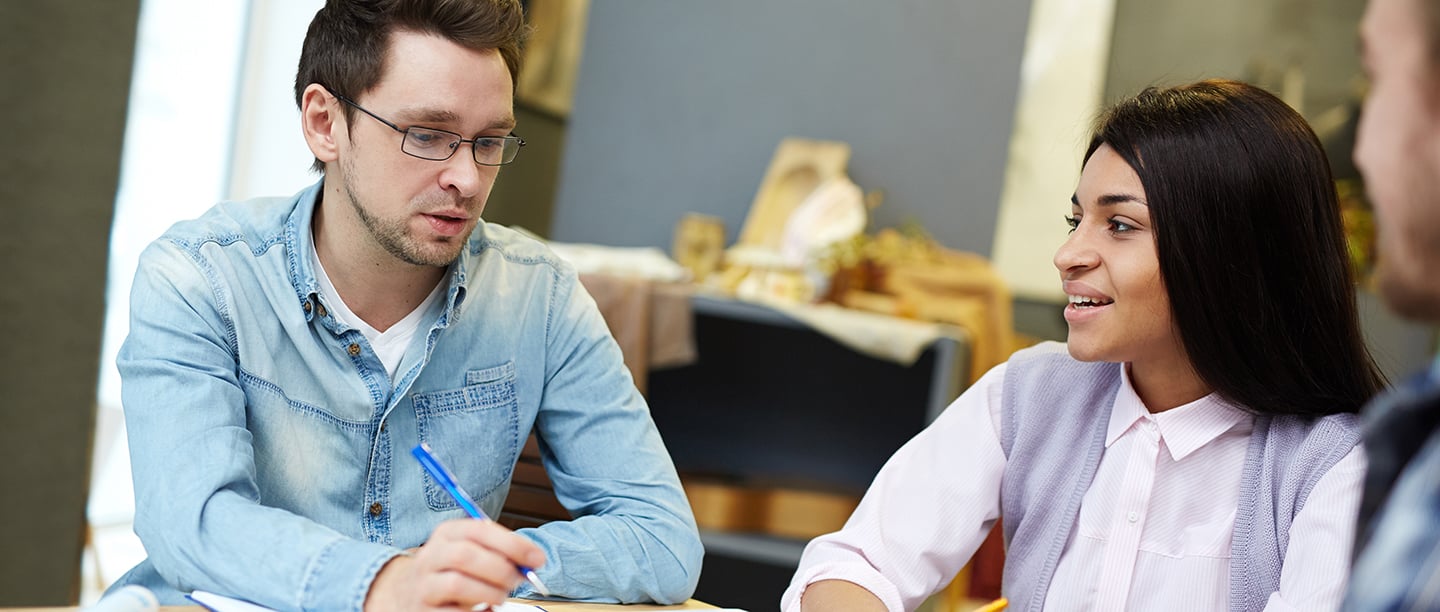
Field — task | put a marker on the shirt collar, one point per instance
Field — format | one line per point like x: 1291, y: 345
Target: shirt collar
x: 1184, y: 428
x: 298, y: 245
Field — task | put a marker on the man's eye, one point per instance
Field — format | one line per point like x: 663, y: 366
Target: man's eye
x: 490, y: 143
x: 426, y: 139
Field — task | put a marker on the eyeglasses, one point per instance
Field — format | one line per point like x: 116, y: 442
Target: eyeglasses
x: 440, y: 145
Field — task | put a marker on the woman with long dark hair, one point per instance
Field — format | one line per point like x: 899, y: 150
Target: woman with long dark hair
x: 1194, y: 444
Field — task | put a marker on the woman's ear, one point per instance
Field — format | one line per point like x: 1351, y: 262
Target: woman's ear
x: 322, y: 122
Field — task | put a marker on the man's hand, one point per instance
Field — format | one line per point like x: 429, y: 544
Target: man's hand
x: 465, y: 562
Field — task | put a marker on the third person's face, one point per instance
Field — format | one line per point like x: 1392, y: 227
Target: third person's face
x: 1398, y: 151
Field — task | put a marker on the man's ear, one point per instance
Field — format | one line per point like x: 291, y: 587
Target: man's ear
x: 322, y: 122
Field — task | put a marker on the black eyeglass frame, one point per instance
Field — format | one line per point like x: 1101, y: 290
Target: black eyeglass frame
x: 459, y: 140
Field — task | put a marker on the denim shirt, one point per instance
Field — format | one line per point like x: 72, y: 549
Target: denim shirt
x: 270, y: 448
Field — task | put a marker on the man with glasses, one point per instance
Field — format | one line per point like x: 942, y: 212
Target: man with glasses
x: 1397, y: 565
x: 286, y: 354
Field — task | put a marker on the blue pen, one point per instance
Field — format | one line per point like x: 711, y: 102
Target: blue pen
x: 443, y: 476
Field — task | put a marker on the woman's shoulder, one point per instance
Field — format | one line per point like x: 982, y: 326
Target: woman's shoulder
x: 1044, y: 380
x: 1332, y: 429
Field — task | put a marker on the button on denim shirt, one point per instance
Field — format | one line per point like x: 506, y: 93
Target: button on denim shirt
x: 271, y: 450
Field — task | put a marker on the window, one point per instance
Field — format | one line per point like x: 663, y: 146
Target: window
x: 216, y: 75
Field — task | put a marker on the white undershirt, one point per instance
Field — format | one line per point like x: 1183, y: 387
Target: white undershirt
x: 390, y: 344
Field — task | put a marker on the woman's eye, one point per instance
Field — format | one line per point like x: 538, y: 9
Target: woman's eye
x: 1119, y: 226
x: 1073, y: 222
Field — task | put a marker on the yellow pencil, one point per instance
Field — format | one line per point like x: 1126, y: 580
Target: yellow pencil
x: 994, y: 606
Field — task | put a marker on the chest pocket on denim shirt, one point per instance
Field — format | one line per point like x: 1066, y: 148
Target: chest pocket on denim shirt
x: 475, y: 430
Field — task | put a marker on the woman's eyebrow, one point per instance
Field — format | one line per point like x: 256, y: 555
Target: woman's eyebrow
x: 1111, y: 199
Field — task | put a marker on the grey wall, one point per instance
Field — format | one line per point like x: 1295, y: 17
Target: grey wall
x: 65, y: 65
x: 680, y: 105
x: 1400, y: 347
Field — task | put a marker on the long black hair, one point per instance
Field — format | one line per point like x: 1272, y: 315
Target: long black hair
x: 1252, y: 254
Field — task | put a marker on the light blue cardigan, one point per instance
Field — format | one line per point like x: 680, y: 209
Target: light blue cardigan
x: 1056, y: 414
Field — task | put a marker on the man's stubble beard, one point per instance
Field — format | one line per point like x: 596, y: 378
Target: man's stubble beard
x: 393, y: 235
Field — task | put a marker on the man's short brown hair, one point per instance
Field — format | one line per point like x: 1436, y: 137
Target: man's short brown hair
x: 345, y: 46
